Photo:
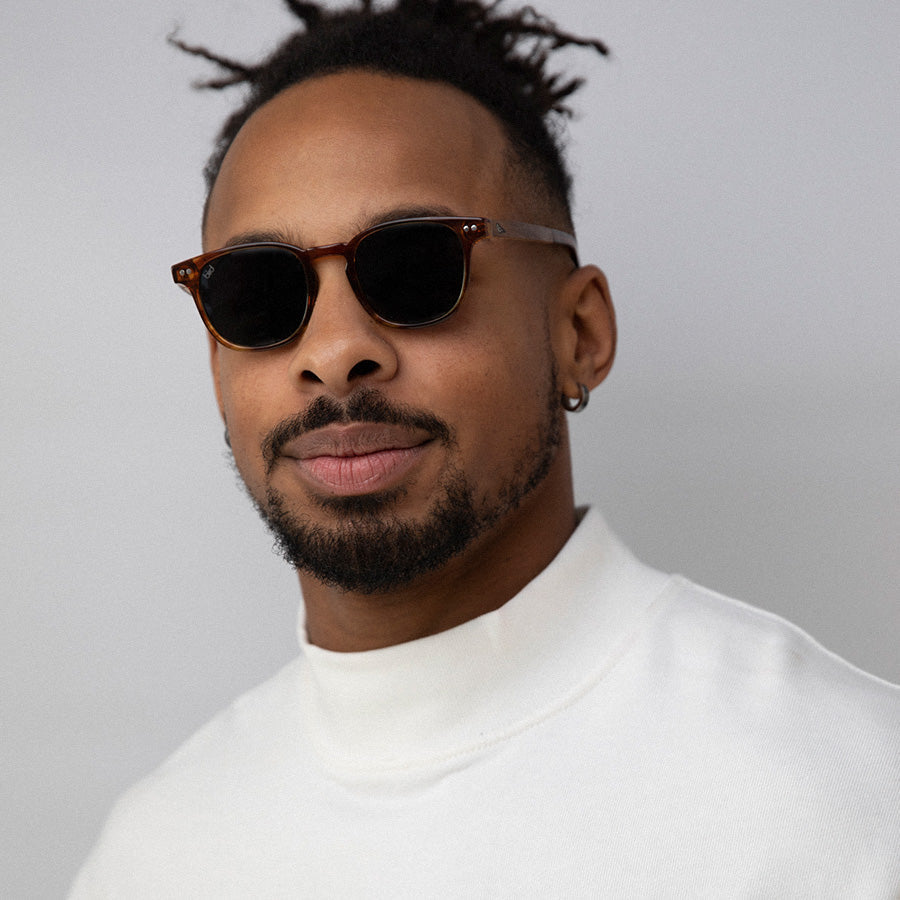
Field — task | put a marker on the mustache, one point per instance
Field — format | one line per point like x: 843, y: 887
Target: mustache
x: 367, y: 405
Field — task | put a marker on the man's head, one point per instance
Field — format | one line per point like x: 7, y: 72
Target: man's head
x: 386, y: 457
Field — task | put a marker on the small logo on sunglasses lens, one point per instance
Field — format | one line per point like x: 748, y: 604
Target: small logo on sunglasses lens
x: 208, y: 270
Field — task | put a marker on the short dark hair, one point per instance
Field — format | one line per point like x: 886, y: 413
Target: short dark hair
x: 499, y: 60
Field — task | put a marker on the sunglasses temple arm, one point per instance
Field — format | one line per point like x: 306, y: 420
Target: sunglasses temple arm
x: 539, y: 233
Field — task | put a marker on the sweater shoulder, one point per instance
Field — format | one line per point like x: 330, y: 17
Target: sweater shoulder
x: 242, y: 748
x: 756, y: 656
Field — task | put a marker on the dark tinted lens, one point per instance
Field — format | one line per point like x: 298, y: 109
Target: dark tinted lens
x: 411, y: 274
x: 255, y: 297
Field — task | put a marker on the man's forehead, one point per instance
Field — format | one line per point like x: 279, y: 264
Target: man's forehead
x: 374, y: 142
x: 330, y: 112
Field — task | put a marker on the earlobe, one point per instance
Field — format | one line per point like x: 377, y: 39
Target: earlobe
x: 590, y: 330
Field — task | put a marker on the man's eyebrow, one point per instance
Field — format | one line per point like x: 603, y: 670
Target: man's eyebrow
x: 273, y: 235
x: 407, y: 212
x: 279, y: 236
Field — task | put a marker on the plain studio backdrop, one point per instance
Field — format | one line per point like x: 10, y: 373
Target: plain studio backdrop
x: 736, y: 177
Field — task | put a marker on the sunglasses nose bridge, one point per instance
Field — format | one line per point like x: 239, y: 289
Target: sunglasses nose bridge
x: 324, y: 251
x: 314, y: 253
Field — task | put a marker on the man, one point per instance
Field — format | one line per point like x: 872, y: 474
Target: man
x: 493, y: 698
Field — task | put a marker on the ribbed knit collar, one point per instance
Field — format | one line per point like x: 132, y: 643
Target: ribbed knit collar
x: 425, y: 704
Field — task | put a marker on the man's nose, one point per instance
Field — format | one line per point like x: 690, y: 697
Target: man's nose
x: 342, y: 346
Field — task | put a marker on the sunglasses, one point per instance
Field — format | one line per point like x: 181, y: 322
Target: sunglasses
x: 406, y: 273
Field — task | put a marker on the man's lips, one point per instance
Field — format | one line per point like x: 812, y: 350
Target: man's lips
x: 358, y: 458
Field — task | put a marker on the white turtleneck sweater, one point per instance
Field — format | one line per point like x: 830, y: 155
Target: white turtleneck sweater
x: 609, y: 732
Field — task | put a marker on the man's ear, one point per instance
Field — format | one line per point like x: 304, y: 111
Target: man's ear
x: 587, y: 333
x: 214, y: 349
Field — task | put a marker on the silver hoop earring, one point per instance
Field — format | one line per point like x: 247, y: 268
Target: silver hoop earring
x: 570, y: 405
x: 227, y: 438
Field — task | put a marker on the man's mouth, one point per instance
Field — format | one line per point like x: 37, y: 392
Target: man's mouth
x: 358, y: 458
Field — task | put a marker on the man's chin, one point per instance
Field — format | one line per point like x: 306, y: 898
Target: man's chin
x: 362, y: 544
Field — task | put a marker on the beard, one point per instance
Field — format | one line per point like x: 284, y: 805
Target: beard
x: 369, y: 549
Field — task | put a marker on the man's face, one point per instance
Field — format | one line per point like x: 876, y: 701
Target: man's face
x: 378, y: 453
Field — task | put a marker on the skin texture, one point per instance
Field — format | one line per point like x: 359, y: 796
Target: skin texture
x: 317, y: 164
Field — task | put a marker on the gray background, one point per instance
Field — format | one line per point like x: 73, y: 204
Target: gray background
x: 737, y: 179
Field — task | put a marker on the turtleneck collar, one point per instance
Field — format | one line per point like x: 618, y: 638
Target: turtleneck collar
x: 429, y: 702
